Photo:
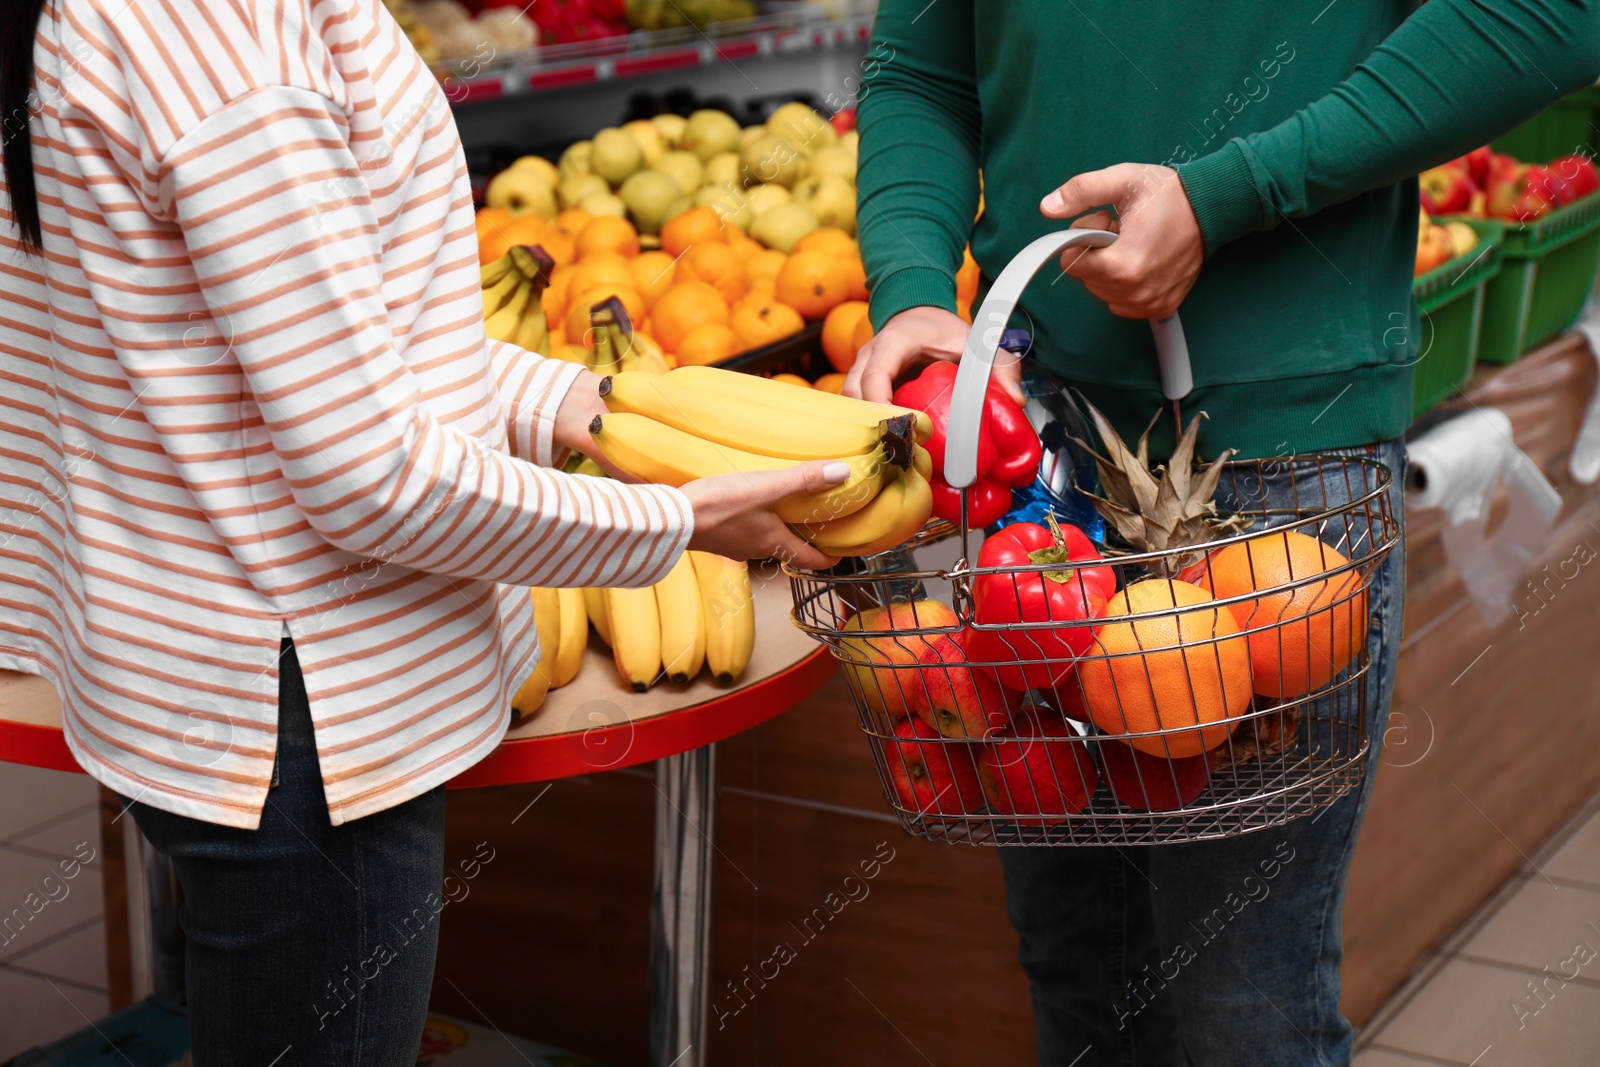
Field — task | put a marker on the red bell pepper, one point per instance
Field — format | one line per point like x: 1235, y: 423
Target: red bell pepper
x: 1063, y: 595
x: 1008, y: 447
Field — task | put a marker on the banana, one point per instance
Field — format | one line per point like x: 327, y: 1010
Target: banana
x: 896, y: 514
x: 635, y: 635
x: 502, y: 325
x: 532, y: 332
x: 605, y: 358
x: 922, y: 462
x: 547, y: 620
x: 574, y: 638
x: 735, y: 421
x: 659, y: 453
x: 495, y: 296
x: 490, y: 273
x: 594, y: 605
x: 636, y: 355
x: 683, y: 632
x: 793, y: 402
x: 729, y: 611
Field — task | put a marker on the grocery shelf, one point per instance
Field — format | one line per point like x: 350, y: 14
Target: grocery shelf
x: 648, y: 52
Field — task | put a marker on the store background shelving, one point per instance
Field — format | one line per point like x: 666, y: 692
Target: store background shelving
x: 544, y: 98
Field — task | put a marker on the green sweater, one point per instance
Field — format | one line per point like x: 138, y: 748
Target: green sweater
x: 1296, y: 128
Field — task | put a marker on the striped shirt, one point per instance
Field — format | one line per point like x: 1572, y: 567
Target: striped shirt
x: 246, y: 393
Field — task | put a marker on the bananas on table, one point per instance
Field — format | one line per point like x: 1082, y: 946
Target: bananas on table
x: 512, y: 310
x: 563, y: 626
x: 694, y: 422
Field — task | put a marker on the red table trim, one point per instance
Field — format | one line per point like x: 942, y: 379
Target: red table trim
x: 609, y: 748
x: 37, y: 746
x: 537, y: 759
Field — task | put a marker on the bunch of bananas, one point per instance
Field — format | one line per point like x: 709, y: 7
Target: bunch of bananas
x: 512, y: 309
x: 694, y: 422
x: 701, y: 613
x: 617, y: 347
x: 563, y: 625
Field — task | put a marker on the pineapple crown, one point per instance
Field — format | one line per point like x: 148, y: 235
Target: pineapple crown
x: 1171, y: 505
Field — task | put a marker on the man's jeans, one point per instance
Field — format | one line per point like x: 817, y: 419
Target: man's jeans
x: 1213, y: 954
x: 308, y: 943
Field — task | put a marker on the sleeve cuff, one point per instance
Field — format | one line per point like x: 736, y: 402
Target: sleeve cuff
x: 911, y: 287
x: 532, y: 389
x: 1223, y: 193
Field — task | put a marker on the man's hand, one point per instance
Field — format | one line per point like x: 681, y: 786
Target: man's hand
x: 919, y: 335
x: 1154, y: 263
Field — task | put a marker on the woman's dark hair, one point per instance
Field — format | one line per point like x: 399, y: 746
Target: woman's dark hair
x: 19, y: 21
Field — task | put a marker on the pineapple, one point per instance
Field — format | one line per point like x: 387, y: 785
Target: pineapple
x: 1174, y: 506
x: 1170, y: 506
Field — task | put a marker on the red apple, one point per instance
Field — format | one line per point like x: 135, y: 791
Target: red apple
x: 1434, y: 246
x: 954, y: 698
x: 1152, y: 783
x: 844, y: 121
x: 1578, y: 172
x: 1549, y: 185
x: 1512, y: 196
x: 1477, y: 163
x: 1446, y: 190
x: 932, y: 776
x: 1026, y: 770
x: 883, y: 672
x: 1502, y: 166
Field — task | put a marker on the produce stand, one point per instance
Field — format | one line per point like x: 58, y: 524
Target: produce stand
x: 595, y: 724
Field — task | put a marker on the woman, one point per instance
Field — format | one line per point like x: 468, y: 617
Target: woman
x: 271, y: 492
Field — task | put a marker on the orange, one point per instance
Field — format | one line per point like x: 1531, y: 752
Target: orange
x: 600, y: 269
x: 608, y: 233
x: 718, y: 266
x: 838, y: 333
x: 1171, y: 672
x: 855, y: 273
x: 554, y: 297
x: 740, y: 243
x: 558, y: 338
x: 559, y: 245
x: 765, y: 264
x: 762, y: 322
x: 830, y: 383
x: 863, y: 333
x: 812, y: 284
x: 496, y: 238
x: 578, y: 314
x: 682, y: 308
x: 653, y: 275
x: 828, y: 239
x: 710, y: 342
x: 760, y: 292
x: 792, y: 379
x: 487, y: 221
x: 698, y: 225
x: 1301, y: 637
x: 571, y: 222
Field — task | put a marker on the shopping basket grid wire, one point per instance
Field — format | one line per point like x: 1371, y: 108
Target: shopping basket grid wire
x: 1171, y: 765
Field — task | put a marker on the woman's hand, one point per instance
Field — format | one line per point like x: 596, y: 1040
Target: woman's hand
x: 578, y: 409
x: 1157, y: 257
x: 919, y: 335
x: 733, y: 513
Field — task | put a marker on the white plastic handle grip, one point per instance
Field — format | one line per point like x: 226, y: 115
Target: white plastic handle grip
x: 983, y: 341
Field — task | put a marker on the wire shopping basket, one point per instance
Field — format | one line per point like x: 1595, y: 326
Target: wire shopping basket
x: 1163, y: 696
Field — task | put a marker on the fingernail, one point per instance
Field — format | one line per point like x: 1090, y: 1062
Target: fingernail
x: 835, y: 473
x: 1052, y: 202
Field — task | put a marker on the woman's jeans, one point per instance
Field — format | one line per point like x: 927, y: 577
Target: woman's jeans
x: 1217, y: 953
x: 308, y: 943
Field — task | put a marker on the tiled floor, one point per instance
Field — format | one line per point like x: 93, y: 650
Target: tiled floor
x: 52, y: 939
x: 1519, y: 984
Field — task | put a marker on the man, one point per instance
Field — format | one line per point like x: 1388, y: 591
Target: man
x: 1259, y: 159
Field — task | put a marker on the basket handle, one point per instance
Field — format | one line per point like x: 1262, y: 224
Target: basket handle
x: 983, y: 341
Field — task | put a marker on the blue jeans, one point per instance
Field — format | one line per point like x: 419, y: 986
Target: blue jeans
x: 1215, y: 953
x: 307, y: 943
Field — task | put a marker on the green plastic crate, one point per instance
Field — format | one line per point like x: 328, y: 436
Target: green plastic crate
x: 1450, y: 298
x: 1547, y: 269
x: 1564, y: 128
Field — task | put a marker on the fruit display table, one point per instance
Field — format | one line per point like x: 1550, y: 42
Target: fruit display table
x: 596, y: 724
